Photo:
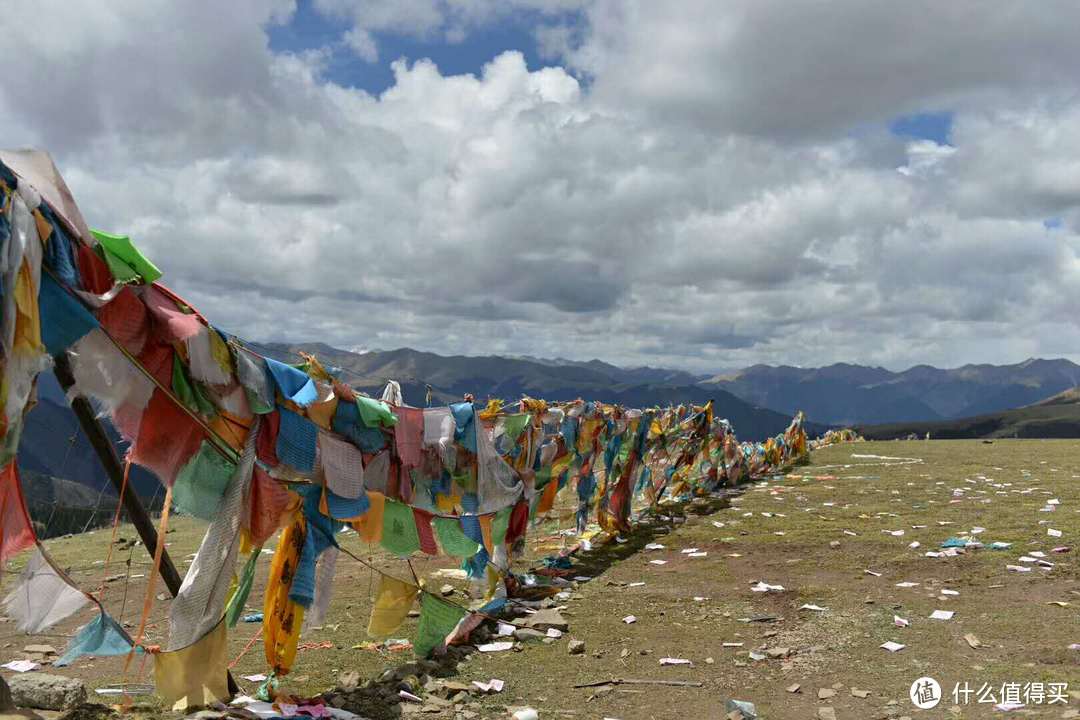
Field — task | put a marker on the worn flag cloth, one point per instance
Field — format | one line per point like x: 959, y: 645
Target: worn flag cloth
x: 295, y: 385
x: 343, y: 466
x: 370, y: 525
x: 282, y: 617
x: 235, y: 606
x: 453, y: 540
x: 172, y: 323
x: 201, y: 484
x: 64, y: 320
x: 438, y: 619
x: 205, y: 590
x: 409, y: 436
x: 42, y: 598
x: 167, y: 439
x: 16, y: 532
x: 102, y: 373
x: 424, y: 531
x: 375, y: 412
x: 205, y: 359
x: 392, y: 604
x: 296, y: 441
x: 399, y: 534
x: 253, y: 375
x: 196, y: 674
x: 324, y: 588
x: 102, y: 636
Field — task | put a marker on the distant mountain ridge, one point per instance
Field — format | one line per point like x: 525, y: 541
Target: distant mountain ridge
x: 1055, y: 417
x: 511, y: 378
x: 855, y: 394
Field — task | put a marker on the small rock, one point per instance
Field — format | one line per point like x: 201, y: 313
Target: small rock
x: 46, y: 692
x: 834, y: 544
x: 545, y: 619
x: 793, y: 688
x: 576, y: 647
x: 825, y: 693
x: 709, y: 661
x: 528, y: 634
x: 447, y: 590
x: 40, y: 649
x: 826, y: 713
x: 855, y: 692
x: 778, y: 653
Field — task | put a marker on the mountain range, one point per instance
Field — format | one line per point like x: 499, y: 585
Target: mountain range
x: 844, y: 394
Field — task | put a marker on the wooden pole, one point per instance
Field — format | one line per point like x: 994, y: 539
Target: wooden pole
x: 106, y: 453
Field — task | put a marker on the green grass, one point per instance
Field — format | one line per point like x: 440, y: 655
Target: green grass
x: 1024, y: 638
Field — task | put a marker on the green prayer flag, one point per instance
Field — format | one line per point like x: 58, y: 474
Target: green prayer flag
x: 399, y: 529
x: 452, y: 539
x: 500, y: 525
x: 375, y: 412
x: 513, y: 425
x: 201, y: 483
x: 125, y: 261
x: 438, y: 619
x: 235, y: 605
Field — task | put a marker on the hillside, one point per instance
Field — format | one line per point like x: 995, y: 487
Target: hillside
x: 1055, y: 417
x: 855, y: 394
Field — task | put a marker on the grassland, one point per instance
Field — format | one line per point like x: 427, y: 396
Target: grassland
x: 816, y: 533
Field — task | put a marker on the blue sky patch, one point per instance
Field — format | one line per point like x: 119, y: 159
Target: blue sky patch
x: 309, y: 29
x: 924, y: 126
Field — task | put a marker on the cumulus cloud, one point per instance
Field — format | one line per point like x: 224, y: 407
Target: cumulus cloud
x: 704, y: 188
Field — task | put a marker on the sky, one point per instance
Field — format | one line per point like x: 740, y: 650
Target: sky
x: 699, y: 184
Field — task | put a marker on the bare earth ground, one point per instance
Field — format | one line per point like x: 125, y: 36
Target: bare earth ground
x: 778, y: 532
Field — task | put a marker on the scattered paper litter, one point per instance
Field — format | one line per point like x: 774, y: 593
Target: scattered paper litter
x: 717, y: 523
x: 700, y: 598
x: 1008, y: 706
x: 900, y: 622
x: 654, y: 546
x: 907, y: 584
x: 675, y: 661
x: 815, y: 608
x: 1018, y: 568
x: 687, y: 551
x: 972, y: 641
x: 499, y: 646
x: 893, y: 646
x: 914, y: 545
x: 732, y: 645
x: 629, y: 619
x: 658, y: 562
x: 871, y: 572
x: 766, y: 587
x: 553, y: 633
x: 697, y: 554
x: 505, y: 629
x: 258, y: 677
x: 1053, y: 533
x: 21, y: 666
x: 947, y: 591
x: 942, y: 615
x: 491, y: 686
x: 635, y: 584
x: 406, y: 695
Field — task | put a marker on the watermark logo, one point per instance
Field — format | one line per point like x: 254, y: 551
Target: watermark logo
x: 925, y: 693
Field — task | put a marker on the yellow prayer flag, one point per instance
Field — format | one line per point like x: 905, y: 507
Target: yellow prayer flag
x: 392, y: 605
x: 197, y: 674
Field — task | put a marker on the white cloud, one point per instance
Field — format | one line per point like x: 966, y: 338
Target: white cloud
x: 686, y: 206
